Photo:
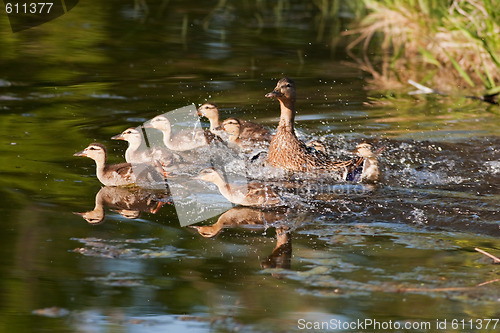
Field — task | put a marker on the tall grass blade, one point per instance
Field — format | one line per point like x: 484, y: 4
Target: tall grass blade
x: 460, y: 70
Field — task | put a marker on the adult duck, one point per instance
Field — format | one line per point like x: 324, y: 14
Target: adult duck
x: 287, y: 152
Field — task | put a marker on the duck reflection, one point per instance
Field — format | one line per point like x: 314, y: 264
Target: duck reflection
x: 252, y: 217
x: 242, y: 216
x: 128, y: 202
x: 281, y: 257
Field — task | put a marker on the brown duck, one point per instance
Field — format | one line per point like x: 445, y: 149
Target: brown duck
x: 232, y: 128
x: 252, y: 194
x: 287, y: 152
x: 248, y: 130
x: 123, y: 174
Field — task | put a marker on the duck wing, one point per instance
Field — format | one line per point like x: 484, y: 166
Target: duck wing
x: 263, y: 195
x: 119, y: 174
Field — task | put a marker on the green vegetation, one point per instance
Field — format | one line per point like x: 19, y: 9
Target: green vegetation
x: 449, y: 45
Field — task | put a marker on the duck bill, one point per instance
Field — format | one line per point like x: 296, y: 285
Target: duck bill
x: 80, y: 153
x: 273, y: 94
x: 118, y: 137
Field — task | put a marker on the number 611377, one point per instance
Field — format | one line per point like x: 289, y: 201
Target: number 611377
x: 28, y: 8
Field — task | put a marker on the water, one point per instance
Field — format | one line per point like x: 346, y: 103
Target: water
x: 402, y: 251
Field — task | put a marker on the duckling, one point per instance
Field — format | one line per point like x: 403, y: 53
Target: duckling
x: 248, y: 131
x: 123, y: 174
x: 286, y: 151
x: 370, y: 172
x: 151, y: 155
x: 184, y: 140
x: 232, y: 127
x: 251, y: 194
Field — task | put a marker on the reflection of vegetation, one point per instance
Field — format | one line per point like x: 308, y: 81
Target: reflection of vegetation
x: 46, y: 51
x: 441, y: 43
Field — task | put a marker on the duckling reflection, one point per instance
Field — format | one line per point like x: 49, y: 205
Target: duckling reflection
x: 241, y: 216
x: 127, y: 202
x: 259, y: 218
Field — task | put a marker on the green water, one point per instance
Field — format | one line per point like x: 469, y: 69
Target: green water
x: 403, y: 252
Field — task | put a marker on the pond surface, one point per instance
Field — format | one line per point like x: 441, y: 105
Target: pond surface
x: 401, y: 252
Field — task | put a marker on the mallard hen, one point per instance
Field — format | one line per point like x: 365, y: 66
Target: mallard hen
x: 287, y: 152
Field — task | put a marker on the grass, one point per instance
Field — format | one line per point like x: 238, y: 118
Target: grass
x: 449, y: 45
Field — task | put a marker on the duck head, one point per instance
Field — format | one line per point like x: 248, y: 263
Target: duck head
x: 365, y: 150
x: 284, y: 91
x: 130, y: 134
x: 232, y: 126
x: 209, y: 175
x: 159, y: 122
x: 94, y: 151
x: 209, y: 110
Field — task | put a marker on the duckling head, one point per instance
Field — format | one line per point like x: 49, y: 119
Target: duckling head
x: 232, y: 126
x: 95, y: 151
x: 209, y: 175
x: 209, y: 110
x: 285, y: 90
x: 365, y: 150
x: 159, y: 122
x: 130, y: 134
x: 208, y: 231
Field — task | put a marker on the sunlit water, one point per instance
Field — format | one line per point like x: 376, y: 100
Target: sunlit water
x: 402, y: 250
